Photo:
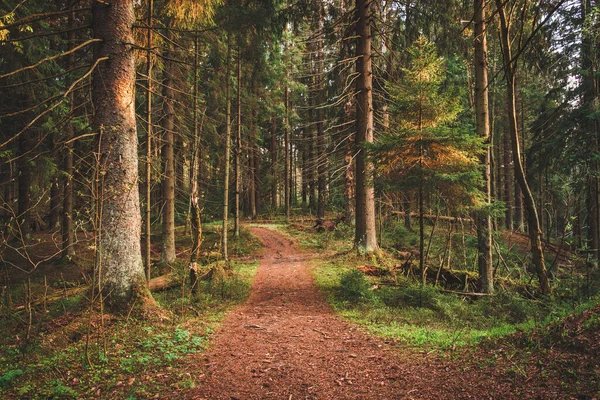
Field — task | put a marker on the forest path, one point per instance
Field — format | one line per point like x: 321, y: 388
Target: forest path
x: 286, y: 343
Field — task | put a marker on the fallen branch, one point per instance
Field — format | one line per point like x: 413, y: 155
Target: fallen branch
x: 466, y: 293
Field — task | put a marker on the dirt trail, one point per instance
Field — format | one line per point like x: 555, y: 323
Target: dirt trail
x: 285, y: 343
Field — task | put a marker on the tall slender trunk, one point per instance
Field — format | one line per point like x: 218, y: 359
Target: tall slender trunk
x: 322, y: 164
x: 54, y: 194
x: 535, y: 234
x: 238, y: 147
x: 482, y: 120
x: 312, y: 154
x: 508, y: 181
x: 422, y: 234
x: 24, y: 185
x: 305, y: 166
x: 227, y: 165
x: 119, y: 255
x: 589, y: 64
x: 168, y: 126
x: 196, y: 223
x: 273, y: 149
x: 365, y: 238
x: 287, y: 147
x: 147, y: 226
x: 349, y: 183
x: 252, y: 159
x: 67, y: 226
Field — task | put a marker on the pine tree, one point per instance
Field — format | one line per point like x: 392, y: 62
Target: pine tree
x: 119, y: 259
x: 426, y: 147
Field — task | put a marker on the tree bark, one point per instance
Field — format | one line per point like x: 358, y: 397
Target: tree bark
x: 54, y: 199
x: 238, y: 147
x: 24, y: 185
x: 482, y: 120
x: 67, y: 226
x: 287, y: 148
x: 273, y: 149
x: 148, y: 210
x: 227, y: 165
x: 119, y: 257
x: 365, y: 238
x: 508, y: 181
x: 535, y: 234
x: 592, y: 128
x: 322, y: 164
x: 349, y: 183
x: 196, y: 223
x: 168, y: 181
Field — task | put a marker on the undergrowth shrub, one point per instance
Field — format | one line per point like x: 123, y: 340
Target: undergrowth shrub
x: 230, y: 288
x: 402, y: 238
x: 427, y: 297
x: 506, y: 306
x: 354, y: 287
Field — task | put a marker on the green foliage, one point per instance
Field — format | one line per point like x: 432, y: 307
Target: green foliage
x: 427, y: 145
x: 427, y: 316
x: 60, y: 391
x: 402, y: 238
x: 354, y: 287
x: 9, y: 376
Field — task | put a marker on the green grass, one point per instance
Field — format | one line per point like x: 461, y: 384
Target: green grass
x: 61, y: 363
x: 403, y: 310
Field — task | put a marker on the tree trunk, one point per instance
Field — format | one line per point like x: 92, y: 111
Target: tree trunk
x: 508, y: 181
x: 322, y: 164
x: 407, y: 205
x: 54, y: 198
x: 196, y: 223
x: 147, y: 226
x: 168, y: 181
x: 67, y: 226
x: 24, y: 182
x: 592, y: 130
x: 365, y: 238
x: 253, y: 161
x: 273, y: 150
x: 535, y: 234
x: 119, y: 256
x: 349, y: 183
x: 238, y: 148
x: 287, y: 148
x: 227, y: 165
x: 482, y: 119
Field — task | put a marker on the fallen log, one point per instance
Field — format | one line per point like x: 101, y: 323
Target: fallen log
x: 163, y: 282
x: 446, y: 218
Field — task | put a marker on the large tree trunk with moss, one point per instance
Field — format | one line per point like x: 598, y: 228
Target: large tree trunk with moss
x: 365, y: 238
x: 482, y: 120
x: 119, y: 255
x: 168, y: 183
x: 535, y: 233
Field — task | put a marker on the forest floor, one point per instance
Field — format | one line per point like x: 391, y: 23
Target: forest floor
x: 286, y: 343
